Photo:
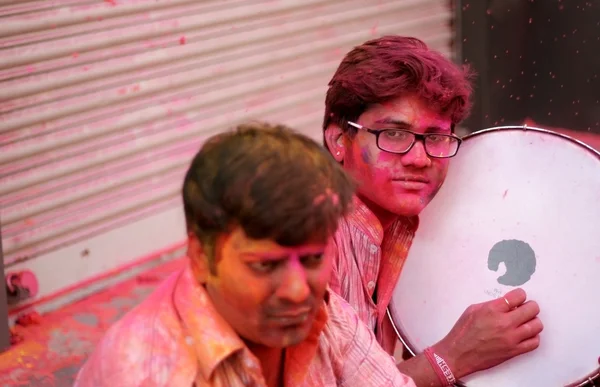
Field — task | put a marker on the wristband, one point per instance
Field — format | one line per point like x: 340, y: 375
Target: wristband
x: 441, y: 368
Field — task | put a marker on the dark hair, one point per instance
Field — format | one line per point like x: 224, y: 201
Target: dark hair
x: 390, y: 67
x: 273, y: 182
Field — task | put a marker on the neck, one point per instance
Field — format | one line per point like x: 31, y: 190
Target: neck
x: 271, y: 362
x: 385, y: 217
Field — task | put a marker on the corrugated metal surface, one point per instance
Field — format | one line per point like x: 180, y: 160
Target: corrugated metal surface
x: 103, y: 103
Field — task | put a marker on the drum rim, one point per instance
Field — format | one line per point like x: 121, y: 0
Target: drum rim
x: 532, y: 129
x: 401, y: 336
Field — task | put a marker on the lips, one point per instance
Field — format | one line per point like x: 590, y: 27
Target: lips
x: 292, y: 317
x: 412, y: 179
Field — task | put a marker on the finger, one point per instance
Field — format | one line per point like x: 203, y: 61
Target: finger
x: 528, y: 345
x: 529, y: 329
x: 511, y: 300
x: 524, y: 313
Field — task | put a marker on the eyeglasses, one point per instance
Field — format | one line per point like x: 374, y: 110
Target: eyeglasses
x: 401, y: 141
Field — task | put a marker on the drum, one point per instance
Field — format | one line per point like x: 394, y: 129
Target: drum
x: 520, y: 208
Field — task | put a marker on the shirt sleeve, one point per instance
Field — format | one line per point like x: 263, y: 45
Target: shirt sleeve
x: 364, y: 362
x: 335, y: 283
x: 106, y: 367
x: 123, y: 358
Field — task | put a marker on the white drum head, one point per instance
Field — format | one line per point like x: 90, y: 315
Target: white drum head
x: 519, y: 208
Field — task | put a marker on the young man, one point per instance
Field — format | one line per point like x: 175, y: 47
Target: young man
x: 390, y: 114
x: 251, y: 308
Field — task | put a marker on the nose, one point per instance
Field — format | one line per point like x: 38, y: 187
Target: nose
x: 416, y: 156
x: 294, y: 286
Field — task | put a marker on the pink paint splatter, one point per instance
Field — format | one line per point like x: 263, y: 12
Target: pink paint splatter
x: 374, y: 29
x: 182, y: 40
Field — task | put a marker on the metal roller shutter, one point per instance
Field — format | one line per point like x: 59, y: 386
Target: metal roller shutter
x: 103, y: 104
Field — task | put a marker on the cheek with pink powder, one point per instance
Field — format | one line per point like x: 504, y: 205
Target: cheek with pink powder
x: 365, y: 156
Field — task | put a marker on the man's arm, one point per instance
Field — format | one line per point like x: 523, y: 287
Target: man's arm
x: 335, y: 282
x: 362, y: 361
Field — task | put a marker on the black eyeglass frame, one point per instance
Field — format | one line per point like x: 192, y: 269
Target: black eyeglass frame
x: 416, y: 137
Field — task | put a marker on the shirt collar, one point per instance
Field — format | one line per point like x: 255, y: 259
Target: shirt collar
x: 365, y: 220
x: 209, y: 335
x: 213, y: 340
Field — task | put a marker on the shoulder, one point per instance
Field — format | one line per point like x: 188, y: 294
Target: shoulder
x: 357, y: 357
x: 342, y: 322
x: 142, y: 348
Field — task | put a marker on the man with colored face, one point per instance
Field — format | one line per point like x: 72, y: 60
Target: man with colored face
x: 252, y: 306
x: 390, y: 113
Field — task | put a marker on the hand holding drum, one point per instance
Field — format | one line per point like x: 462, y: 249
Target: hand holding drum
x: 492, y: 332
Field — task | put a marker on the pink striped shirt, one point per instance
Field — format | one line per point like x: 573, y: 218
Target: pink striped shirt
x: 368, y: 260
x: 176, y: 338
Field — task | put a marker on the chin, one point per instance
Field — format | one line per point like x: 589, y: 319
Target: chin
x: 408, y: 209
x: 287, y: 339
x: 408, y: 212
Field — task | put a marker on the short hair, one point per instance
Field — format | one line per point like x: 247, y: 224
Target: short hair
x: 272, y: 181
x: 391, y: 67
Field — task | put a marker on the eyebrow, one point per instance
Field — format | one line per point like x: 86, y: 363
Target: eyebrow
x: 279, y: 256
x: 405, y: 125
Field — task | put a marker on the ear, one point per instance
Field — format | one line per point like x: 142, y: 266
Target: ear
x: 334, y: 138
x: 198, y: 259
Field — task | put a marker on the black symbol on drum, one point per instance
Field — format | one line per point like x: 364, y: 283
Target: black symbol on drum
x: 519, y: 259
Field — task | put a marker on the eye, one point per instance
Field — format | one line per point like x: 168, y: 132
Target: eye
x: 263, y: 266
x: 395, y: 134
x: 312, y: 260
x: 438, y: 138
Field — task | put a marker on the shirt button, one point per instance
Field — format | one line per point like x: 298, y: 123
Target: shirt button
x: 373, y: 249
x: 371, y: 285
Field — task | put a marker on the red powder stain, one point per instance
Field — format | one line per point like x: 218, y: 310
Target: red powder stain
x: 28, y: 319
x: 29, y: 222
x: 111, y: 2
x: 182, y: 40
x: 504, y: 195
x: 136, y: 88
x: 147, y: 278
x: 374, y: 29
x: 30, y: 69
x: 122, y: 90
x: 75, y: 54
x: 15, y: 338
